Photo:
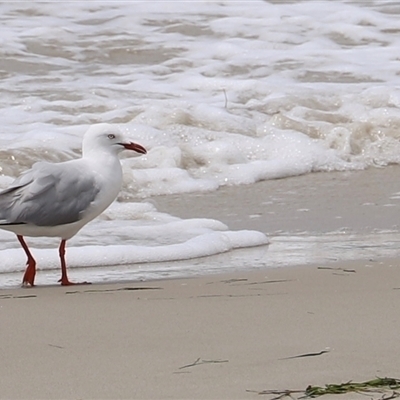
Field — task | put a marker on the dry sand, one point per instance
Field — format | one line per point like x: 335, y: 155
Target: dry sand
x: 140, y: 340
x: 137, y: 341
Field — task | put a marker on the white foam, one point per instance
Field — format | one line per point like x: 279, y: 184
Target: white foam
x: 132, y: 233
x: 96, y: 256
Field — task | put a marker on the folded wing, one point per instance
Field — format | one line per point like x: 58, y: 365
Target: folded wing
x: 48, y: 195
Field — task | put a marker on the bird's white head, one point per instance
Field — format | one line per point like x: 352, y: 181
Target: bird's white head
x: 107, y: 138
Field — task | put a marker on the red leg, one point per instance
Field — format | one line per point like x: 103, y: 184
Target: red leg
x: 30, y: 272
x: 64, y: 277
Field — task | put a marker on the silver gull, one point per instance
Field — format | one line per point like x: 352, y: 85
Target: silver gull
x: 58, y: 199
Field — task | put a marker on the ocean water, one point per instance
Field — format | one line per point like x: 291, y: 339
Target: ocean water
x: 219, y: 92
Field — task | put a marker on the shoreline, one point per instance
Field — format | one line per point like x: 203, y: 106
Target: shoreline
x: 315, y: 218
x: 234, y: 333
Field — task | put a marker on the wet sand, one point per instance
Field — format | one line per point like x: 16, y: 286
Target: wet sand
x: 362, y: 201
x: 223, y: 336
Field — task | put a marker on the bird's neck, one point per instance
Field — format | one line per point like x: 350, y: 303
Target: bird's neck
x: 108, y: 174
x: 104, y: 163
x: 97, y: 153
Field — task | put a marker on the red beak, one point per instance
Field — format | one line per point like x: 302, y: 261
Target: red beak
x: 135, y: 147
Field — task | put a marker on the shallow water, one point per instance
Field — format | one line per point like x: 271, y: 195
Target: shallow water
x: 221, y: 93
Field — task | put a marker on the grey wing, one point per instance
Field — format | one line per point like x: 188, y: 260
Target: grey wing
x: 48, y: 195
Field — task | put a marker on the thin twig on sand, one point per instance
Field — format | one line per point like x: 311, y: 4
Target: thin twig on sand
x: 319, y: 353
x: 199, y: 361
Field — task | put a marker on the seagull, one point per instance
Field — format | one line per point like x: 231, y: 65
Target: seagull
x: 58, y: 199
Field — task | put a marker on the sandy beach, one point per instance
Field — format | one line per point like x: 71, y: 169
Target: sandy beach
x: 214, y: 337
x: 225, y: 336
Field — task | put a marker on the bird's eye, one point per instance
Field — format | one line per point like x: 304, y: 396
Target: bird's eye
x: 111, y: 136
